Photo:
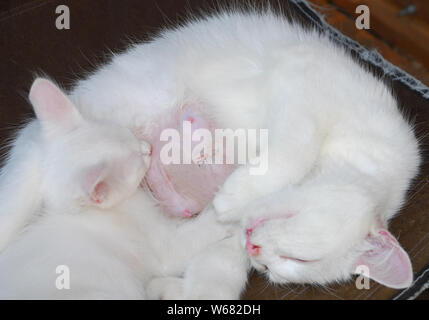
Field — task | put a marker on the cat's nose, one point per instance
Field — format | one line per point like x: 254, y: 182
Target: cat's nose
x: 252, y: 249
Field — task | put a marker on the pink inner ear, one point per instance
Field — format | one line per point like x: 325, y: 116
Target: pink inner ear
x: 100, y: 192
x: 52, y: 106
x: 93, y: 184
x: 388, y: 263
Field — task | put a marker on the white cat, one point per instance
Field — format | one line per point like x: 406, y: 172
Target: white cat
x: 108, y: 233
x: 340, y: 154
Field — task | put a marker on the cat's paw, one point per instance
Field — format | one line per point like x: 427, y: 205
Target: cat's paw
x: 166, y: 288
x: 227, y: 208
x: 223, y: 203
x: 234, y: 194
x: 240, y: 190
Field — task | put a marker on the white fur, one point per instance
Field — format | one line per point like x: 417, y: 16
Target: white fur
x: 20, y: 184
x: 341, y: 156
x: 113, y: 245
x: 332, y: 125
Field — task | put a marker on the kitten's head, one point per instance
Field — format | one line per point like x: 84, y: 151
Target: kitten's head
x: 318, y: 242
x: 84, y: 162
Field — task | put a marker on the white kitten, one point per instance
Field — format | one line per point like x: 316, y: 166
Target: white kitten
x: 110, y: 234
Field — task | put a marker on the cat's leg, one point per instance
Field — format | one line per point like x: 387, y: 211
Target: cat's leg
x: 218, y: 272
x: 293, y: 147
x: 165, y: 288
x: 20, y: 183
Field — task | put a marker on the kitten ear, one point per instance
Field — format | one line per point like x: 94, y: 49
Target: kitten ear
x: 387, y: 262
x: 53, y: 108
x: 95, y: 185
x: 105, y: 185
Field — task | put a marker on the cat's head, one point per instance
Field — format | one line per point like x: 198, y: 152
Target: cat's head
x: 84, y: 162
x: 321, y: 241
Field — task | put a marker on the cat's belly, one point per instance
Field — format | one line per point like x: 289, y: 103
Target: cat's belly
x: 185, y: 186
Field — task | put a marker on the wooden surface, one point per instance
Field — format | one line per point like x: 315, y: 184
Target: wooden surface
x: 404, y: 41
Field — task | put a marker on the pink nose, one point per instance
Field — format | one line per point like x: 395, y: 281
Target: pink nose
x: 253, y: 249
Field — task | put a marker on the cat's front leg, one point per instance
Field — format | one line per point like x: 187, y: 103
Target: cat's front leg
x: 291, y: 152
x: 236, y: 193
x: 165, y: 288
x: 218, y: 272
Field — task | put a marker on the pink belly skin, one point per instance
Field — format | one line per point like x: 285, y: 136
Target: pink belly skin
x: 184, y: 189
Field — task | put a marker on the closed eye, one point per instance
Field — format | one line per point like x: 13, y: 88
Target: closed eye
x: 296, y: 259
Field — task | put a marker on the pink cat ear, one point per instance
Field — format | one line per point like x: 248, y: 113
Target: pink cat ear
x: 387, y: 262
x: 95, y: 185
x: 52, y: 107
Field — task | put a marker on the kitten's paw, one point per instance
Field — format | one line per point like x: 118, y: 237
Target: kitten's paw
x: 237, y: 192
x: 226, y: 208
x: 223, y: 203
x: 233, y: 195
x: 168, y: 288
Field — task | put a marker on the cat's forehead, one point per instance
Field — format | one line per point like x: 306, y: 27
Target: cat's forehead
x: 94, y: 142
x: 105, y: 134
x: 316, y: 238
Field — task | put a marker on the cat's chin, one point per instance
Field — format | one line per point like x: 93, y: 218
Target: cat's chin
x: 275, y: 278
x: 282, y: 279
x: 272, y: 276
x: 288, y: 273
